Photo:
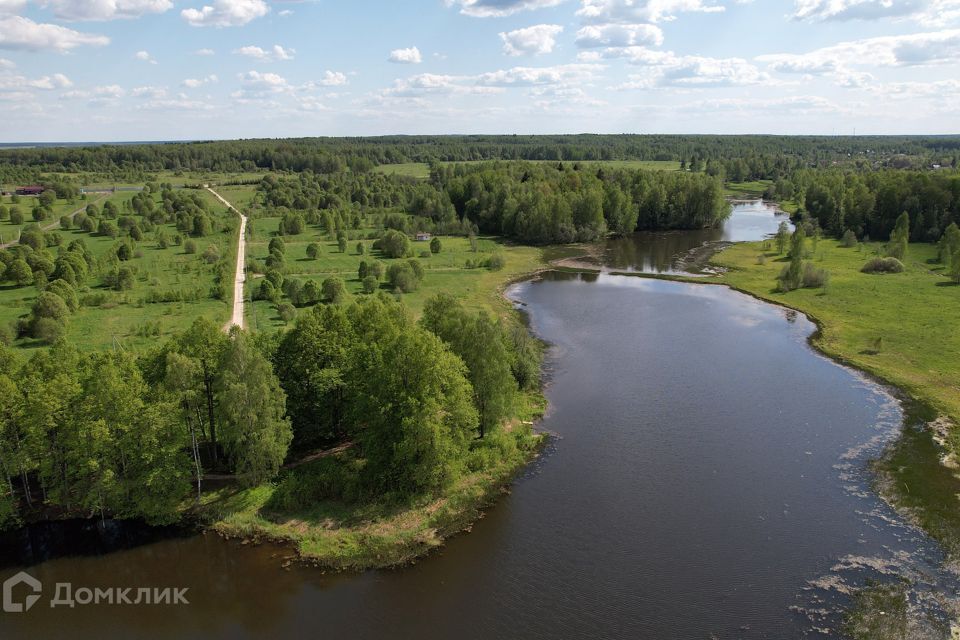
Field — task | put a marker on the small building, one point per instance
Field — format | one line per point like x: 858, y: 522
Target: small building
x: 423, y: 237
x: 34, y: 190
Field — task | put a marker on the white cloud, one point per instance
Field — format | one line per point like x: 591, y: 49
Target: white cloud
x: 530, y: 76
x: 499, y: 8
x: 561, y: 79
x: 204, y: 52
x: 153, y: 93
x: 17, y: 32
x: 639, y: 11
x: 275, y: 53
x: 179, y: 103
x: 665, y: 69
x: 15, y: 82
x: 916, y: 49
x: 144, y: 56
x: 925, y: 11
x: 226, y: 13
x: 10, y: 7
x: 193, y: 83
x: 619, y: 35
x: 267, y: 81
x: 535, y: 40
x: 104, y: 9
x: 410, y: 55
x: 331, y: 79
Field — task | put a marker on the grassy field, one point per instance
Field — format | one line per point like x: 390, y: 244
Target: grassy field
x: 419, y: 170
x: 446, y: 272
x: 110, y: 318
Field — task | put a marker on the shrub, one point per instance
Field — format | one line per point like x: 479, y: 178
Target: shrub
x: 48, y: 330
x: 211, y: 254
x: 313, y: 250
x: 814, y: 277
x: 16, y: 216
x: 403, y: 276
x: 435, y: 245
x: 65, y: 222
x: 496, y: 262
x: 849, y: 239
x: 394, y: 244
x: 189, y: 246
x: 292, y: 224
x: 89, y: 225
x: 370, y: 284
x: 883, y: 265
x: 334, y: 290
x: 107, y: 228
x: 287, y: 312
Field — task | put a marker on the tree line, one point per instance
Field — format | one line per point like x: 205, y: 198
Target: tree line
x: 132, y: 436
x: 333, y: 155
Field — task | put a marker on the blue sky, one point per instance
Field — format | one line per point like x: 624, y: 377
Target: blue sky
x: 199, y: 69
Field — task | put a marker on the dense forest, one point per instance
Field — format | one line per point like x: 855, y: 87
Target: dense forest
x: 132, y: 436
x: 743, y: 157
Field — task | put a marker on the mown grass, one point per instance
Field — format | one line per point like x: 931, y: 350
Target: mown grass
x: 365, y: 533
x: 124, y: 318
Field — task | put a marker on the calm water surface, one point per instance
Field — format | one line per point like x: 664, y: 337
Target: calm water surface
x: 706, y: 473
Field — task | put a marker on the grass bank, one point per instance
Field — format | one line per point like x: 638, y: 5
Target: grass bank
x: 301, y: 507
x: 900, y: 328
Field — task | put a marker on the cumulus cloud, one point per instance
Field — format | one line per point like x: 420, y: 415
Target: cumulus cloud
x: 640, y: 11
x: 619, y: 35
x: 915, y: 49
x: 204, y: 52
x: 274, y: 53
x: 226, y: 13
x: 268, y: 81
x: 667, y: 69
x: 410, y: 55
x: 499, y: 8
x: 11, y: 82
x: 144, y: 56
x: 925, y: 11
x: 535, y: 40
x: 531, y: 76
x: 104, y: 9
x: 148, y: 92
x: 562, y: 78
x: 193, y: 83
x: 331, y: 79
x: 19, y: 33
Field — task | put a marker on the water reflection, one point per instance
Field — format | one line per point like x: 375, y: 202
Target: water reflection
x: 670, y: 251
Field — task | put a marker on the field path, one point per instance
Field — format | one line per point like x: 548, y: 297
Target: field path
x: 241, y: 272
x: 55, y: 224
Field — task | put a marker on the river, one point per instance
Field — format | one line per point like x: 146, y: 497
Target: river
x: 706, y: 477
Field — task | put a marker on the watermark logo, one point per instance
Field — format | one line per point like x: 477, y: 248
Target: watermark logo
x: 66, y: 595
x: 10, y: 603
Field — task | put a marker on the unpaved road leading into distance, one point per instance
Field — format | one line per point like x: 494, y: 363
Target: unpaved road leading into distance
x: 240, y: 276
x: 55, y: 224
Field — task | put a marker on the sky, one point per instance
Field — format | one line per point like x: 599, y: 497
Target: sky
x: 120, y: 70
